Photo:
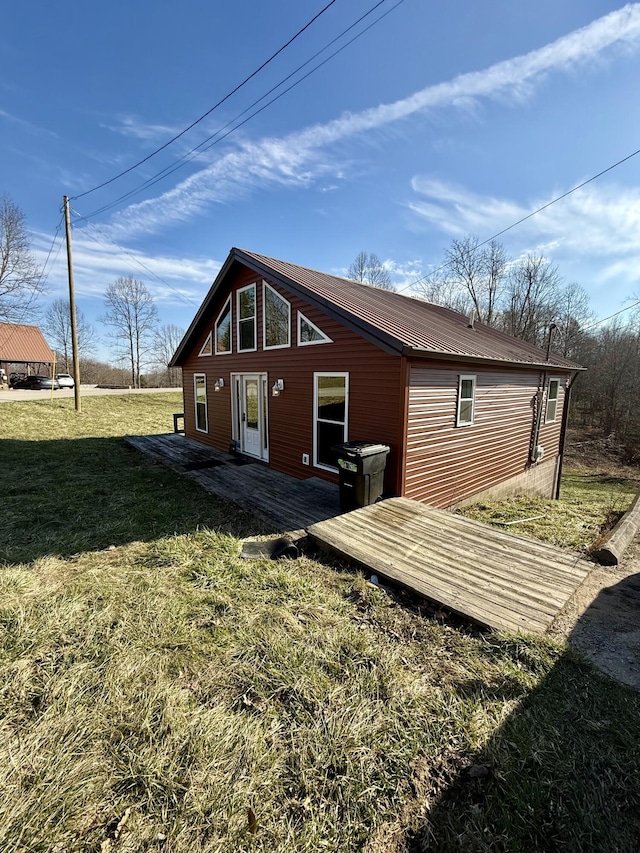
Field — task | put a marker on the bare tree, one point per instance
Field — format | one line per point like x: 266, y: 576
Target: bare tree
x: 57, y: 325
x: 133, y: 316
x: 573, y: 314
x: 533, y: 295
x: 369, y: 269
x: 20, y: 277
x: 166, y: 339
x: 479, y: 273
x: 442, y: 289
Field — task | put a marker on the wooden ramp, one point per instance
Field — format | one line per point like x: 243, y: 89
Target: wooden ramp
x: 498, y: 579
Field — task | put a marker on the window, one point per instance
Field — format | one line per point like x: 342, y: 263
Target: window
x: 466, y: 395
x: 200, y: 393
x: 223, y: 330
x: 309, y: 333
x: 247, y: 318
x: 277, y: 319
x: 331, y: 407
x: 553, y: 390
x: 206, y: 348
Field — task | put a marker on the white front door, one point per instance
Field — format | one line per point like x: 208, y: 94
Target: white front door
x: 251, y: 415
x: 252, y: 405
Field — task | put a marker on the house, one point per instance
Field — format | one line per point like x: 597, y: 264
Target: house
x: 282, y: 362
x: 23, y: 347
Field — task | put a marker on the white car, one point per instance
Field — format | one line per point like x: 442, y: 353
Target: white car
x: 65, y: 380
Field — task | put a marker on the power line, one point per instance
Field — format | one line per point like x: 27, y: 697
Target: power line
x: 528, y: 216
x: 133, y: 258
x: 202, y: 146
x: 208, y: 112
x: 611, y: 316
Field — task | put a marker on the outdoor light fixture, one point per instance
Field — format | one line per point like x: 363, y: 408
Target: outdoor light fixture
x: 219, y: 384
x: 278, y: 386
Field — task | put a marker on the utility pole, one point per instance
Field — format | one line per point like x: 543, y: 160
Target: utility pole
x: 72, y: 307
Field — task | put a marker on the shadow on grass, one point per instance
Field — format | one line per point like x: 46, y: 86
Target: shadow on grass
x: 562, y: 773
x: 62, y: 497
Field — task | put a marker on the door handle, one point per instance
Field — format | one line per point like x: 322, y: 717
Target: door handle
x: 244, y: 417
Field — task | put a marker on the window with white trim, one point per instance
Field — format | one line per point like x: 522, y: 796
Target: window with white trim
x: 330, y: 416
x: 276, y: 320
x: 207, y: 346
x: 246, y: 311
x: 466, y: 400
x: 223, y: 330
x: 200, y: 396
x: 553, y: 392
x: 309, y: 333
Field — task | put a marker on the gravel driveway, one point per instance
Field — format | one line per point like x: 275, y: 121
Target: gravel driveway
x: 21, y: 396
x: 602, y: 619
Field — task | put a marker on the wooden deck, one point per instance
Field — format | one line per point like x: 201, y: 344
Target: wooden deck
x: 498, y: 579
x: 494, y: 578
x: 287, y: 505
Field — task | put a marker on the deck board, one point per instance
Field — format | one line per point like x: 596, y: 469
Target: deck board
x: 285, y: 504
x: 498, y: 579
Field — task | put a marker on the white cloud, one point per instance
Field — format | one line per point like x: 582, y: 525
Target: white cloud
x: 132, y: 127
x: 98, y: 263
x: 592, y: 233
x: 301, y: 157
x: 596, y: 220
x: 27, y: 125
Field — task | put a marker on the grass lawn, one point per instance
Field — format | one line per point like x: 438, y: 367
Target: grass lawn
x: 591, y: 502
x: 159, y: 694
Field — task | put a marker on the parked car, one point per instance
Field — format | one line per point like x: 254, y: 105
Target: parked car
x: 37, y: 383
x: 65, y: 380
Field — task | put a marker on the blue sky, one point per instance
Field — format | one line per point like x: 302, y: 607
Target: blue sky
x: 444, y: 118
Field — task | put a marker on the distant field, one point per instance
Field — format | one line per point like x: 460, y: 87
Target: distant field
x: 157, y: 693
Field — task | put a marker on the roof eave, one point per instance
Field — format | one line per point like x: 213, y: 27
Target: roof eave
x: 417, y: 352
x: 176, y: 360
x: 376, y: 336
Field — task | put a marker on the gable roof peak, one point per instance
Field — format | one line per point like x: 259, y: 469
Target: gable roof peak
x: 397, y: 322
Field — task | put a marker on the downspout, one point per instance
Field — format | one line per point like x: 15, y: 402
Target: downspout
x: 563, y: 430
x: 536, y: 431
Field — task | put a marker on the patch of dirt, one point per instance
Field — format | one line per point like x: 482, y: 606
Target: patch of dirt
x: 602, y: 619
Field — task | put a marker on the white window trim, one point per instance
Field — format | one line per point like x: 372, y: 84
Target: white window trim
x: 215, y: 328
x: 255, y: 317
x: 325, y: 338
x: 317, y: 464
x: 197, y: 376
x: 465, y: 377
x: 266, y: 286
x: 547, y: 419
x: 209, y: 341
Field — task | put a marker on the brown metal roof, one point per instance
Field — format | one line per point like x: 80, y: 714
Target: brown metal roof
x: 25, y: 344
x: 397, y: 323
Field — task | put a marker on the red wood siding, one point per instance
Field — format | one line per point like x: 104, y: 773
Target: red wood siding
x: 446, y: 463
x: 376, y: 388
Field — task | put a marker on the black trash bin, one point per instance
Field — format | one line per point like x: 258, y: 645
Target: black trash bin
x: 361, y: 467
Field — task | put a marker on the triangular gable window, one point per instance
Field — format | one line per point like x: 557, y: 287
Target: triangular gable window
x: 207, y: 346
x: 309, y: 333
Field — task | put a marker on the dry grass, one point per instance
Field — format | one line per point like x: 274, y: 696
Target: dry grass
x: 164, y: 695
x: 591, y: 502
